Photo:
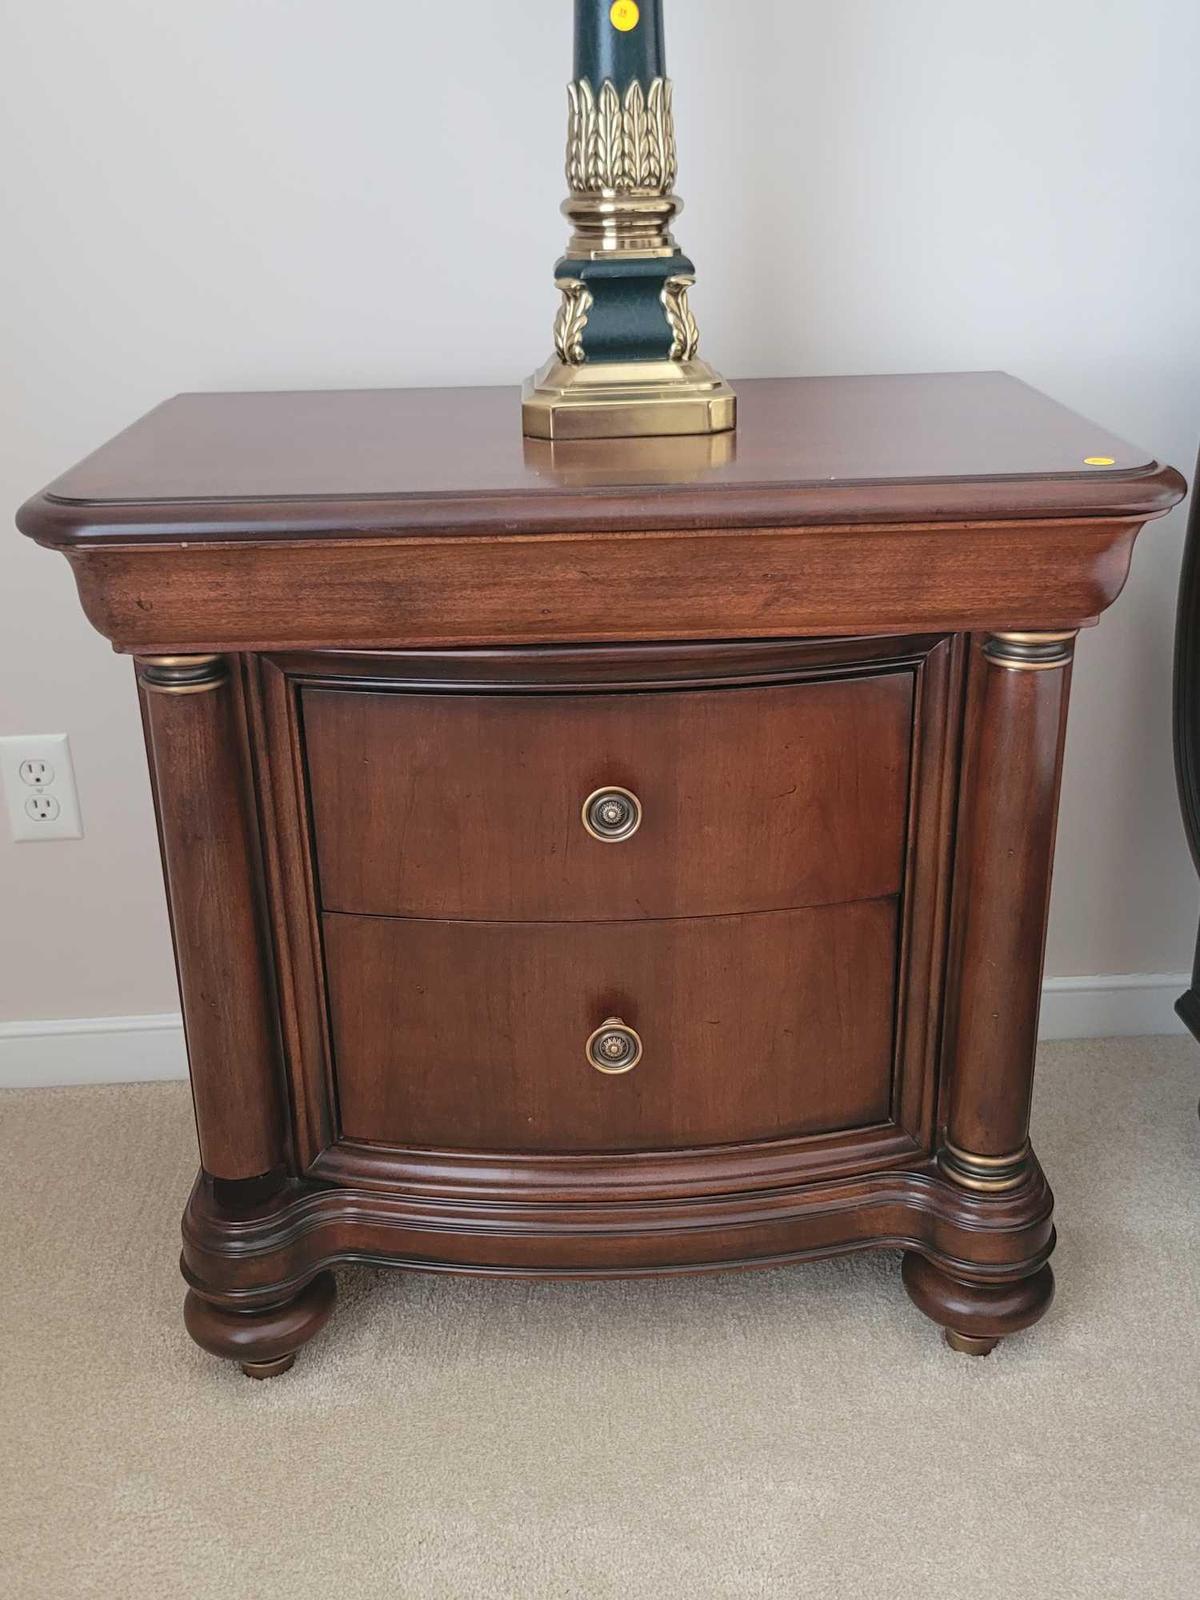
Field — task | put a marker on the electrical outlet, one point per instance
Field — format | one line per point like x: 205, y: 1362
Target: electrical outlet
x: 39, y: 785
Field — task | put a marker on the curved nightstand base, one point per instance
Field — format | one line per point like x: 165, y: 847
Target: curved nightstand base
x: 261, y: 1284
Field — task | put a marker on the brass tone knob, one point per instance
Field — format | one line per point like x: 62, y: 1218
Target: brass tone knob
x: 614, y: 1048
x: 611, y: 815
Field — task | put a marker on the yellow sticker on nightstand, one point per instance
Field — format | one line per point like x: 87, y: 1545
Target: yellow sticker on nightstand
x: 625, y: 15
x: 1099, y: 461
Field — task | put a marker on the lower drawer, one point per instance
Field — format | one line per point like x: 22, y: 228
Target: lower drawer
x: 460, y: 1035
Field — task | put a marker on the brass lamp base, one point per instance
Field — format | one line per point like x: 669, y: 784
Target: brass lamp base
x: 623, y: 400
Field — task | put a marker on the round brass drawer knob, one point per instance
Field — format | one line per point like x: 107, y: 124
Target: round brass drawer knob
x: 614, y: 1048
x: 611, y: 815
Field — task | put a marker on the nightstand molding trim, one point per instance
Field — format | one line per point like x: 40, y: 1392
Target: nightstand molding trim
x: 241, y: 1259
x: 433, y: 591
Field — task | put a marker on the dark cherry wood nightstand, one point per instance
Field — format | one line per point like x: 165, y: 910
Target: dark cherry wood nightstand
x: 607, y: 858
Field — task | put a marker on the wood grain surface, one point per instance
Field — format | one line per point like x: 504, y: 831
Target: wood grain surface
x: 470, y: 805
x: 472, y: 1035
x: 945, y: 446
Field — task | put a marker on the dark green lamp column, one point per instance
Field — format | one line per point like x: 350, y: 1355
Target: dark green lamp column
x: 618, y: 43
x: 626, y: 341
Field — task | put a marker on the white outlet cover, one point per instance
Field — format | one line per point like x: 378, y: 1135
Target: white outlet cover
x: 24, y: 802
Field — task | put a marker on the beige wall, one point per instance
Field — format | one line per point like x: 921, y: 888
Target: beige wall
x: 271, y: 193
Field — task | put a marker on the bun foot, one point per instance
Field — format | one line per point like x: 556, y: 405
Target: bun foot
x: 976, y: 1316
x: 265, y: 1339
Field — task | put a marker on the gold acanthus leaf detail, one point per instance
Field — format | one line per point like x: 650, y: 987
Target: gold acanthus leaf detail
x: 572, y: 319
x: 581, y: 134
x: 620, y: 146
x: 686, y: 340
x: 635, y: 129
x: 609, y: 163
x: 660, y: 108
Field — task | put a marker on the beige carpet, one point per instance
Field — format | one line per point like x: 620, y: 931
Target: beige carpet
x: 793, y: 1433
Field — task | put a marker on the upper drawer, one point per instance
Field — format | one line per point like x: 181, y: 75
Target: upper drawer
x: 471, y: 806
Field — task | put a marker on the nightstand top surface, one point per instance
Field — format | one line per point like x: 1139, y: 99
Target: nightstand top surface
x: 346, y: 463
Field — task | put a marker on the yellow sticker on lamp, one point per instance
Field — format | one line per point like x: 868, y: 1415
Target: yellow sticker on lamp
x: 625, y: 15
x: 1099, y: 461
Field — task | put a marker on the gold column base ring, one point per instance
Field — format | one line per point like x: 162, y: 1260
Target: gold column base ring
x: 985, y: 1174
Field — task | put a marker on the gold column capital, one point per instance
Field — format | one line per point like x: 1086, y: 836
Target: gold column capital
x: 182, y: 674
x: 1031, y: 652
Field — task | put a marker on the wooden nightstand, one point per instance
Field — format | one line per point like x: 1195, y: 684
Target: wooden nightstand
x: 607, y: 858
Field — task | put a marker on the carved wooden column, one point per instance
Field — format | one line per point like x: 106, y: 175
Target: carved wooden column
x: 1016, y: 722
x: 196, y: 745
x: 1011, y: 785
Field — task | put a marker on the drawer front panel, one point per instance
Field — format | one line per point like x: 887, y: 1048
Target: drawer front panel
x: 471, y: 806
x: 475, y: 1035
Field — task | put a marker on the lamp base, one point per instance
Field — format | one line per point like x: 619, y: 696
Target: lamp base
x: 626, y: 399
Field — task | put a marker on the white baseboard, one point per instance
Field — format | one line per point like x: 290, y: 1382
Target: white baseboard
x: 150, y: 1049
x: 91, y: 1050
x: 1113, y: 1006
